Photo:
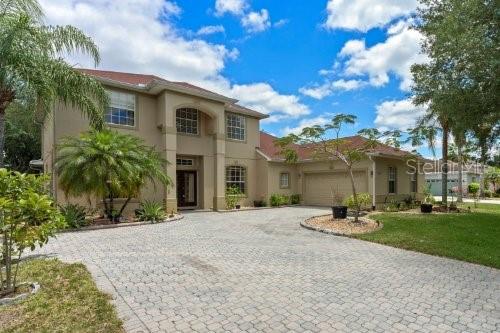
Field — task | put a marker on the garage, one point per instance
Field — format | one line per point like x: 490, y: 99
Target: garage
x: 318, y: 186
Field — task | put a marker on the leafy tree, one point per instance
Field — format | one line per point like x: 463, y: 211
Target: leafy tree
x: 460, y: 83
x: 28, y: 218
x: 328, y: 148
x: 492, y: 176
x: 33, y: 76
x: 23, y: 134
x: 107, y: 165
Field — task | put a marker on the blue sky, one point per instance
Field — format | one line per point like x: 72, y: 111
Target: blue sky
x: 298, y: 61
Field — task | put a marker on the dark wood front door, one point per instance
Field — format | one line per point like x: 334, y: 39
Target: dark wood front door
x: 186, y: 189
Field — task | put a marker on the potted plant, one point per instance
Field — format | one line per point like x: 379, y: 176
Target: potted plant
x: 426, y: 206
x: 339, y: 210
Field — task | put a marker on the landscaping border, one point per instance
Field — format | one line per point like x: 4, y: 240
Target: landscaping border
x: 122, y: 225
x: 305, y: 225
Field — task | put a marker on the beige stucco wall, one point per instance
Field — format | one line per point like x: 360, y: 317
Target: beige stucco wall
x: 334, y: 169
x: 155, y: 123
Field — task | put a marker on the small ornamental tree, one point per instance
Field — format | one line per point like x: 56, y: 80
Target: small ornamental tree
x: 28, y: 218
x: 473, y: 189
x: 328, y: 145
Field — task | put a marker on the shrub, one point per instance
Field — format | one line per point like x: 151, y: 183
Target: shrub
x: 74, y: 215
x: 364, y: 201
x: 233, y: 196
x: 260, y: 203
x: 488, y: 193
x: 428, y: 197
x: 473, y: 188
x: 392, y: 206
x: 295, y: 199
x: 277, y: 200
x: 151, y: 211
x: 28, y: 218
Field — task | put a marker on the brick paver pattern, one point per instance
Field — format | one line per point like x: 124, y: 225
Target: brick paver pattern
x: 259, y: 271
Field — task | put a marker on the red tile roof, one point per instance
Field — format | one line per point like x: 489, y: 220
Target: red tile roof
x: 305, y: 152
x: 146, y: 79
x: 128, y: 78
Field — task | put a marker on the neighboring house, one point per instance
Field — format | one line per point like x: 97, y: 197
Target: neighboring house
x: 211, y: 143
x: 471, y: 173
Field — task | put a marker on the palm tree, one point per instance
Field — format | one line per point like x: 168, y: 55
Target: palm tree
x: 107, y: 164
x: 32, y: 73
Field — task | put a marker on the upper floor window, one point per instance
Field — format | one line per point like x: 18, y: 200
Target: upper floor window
x: 413, y: 182
x: 235, y: 127
x: 121, y: 110
x: 284, y: 180
x: 187, y: 120
x: 392, y: 179
x: 236, y: 177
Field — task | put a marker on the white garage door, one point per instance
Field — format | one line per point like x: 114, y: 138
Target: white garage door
x: 318, y: 186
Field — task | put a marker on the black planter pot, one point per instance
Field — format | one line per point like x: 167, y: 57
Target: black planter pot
x: 238, y: 206
x: 339, y: 212
x: 426, y: 208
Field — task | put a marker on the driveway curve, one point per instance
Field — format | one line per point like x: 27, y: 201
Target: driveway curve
x: 259, y: 271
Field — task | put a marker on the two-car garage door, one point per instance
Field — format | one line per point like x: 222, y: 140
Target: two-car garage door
x: 318, y: 186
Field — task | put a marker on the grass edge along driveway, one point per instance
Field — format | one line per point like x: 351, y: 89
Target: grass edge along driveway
x: 68, y: 301
x: 472, y: 237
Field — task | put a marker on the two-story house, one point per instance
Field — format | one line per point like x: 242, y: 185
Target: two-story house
x: 212, y: 142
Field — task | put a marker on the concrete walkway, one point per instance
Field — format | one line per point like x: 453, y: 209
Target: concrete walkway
x: 259, y: 271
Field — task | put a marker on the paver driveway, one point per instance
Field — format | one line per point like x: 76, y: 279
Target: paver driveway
x: 260, y: 271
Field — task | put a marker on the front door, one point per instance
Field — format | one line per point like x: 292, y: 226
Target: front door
x: 186, y: 189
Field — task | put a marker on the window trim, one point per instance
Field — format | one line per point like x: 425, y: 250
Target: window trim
x: 245, y: 180
x: 395, y: 180
x: 184, y: 161
x: 413, y: 181
x: 198, y: 122
x: 136, y: 118
x: 288, y: 180
x: 244, y: 124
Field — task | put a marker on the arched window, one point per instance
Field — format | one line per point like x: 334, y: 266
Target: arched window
x: 236, y: 176
x: 187, y: 121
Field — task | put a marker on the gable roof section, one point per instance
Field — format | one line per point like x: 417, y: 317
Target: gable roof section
x: 305, y: 152
x: 147, y: 82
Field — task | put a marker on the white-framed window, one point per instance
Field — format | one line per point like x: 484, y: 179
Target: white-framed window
x: 187, y: 120
x: 413, y: 182
x: 236, y: 177
x: 284, y: 180
x: 185, y: 161
x: 392, y: 179
x: 121, y: 110
x: 235, y: 127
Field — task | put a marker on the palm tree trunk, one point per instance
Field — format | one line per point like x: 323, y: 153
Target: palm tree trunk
x: 2, y: 136
x: 123, y: 206
x: 460, y: 174
x: 444, y: 168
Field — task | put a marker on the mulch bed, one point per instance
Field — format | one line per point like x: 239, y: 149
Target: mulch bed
x: 327, y: 223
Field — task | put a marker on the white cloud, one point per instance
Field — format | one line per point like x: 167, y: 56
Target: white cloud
x: 210, y: 29
x: 320, y: 120
x: 235, y: 7
x: 281, y: 23
x: 365, y: 14
x: 317, y: 92
x: 138, y: 39
x: 253, y: 21
x: 263, y: 98
x: 327, y: 88
x: 256, y: 21
x: 395, y: 55
x: 402, y: 114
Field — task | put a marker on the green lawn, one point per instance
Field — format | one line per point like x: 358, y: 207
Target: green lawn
x: 472, y: 237
x: 68, y: 301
